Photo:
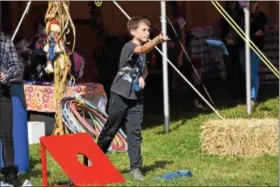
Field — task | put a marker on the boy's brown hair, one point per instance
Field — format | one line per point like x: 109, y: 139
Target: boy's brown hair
x: 133, y: 23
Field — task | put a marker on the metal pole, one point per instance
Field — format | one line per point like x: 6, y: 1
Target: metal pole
x: 165, y: 67
x: 248, y: 59
x: 279, y: 97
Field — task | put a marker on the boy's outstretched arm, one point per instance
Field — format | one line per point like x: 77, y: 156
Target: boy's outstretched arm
x: 147, y: 47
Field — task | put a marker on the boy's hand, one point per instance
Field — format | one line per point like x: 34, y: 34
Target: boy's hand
x: 163, y: 38
x: 141, y: 82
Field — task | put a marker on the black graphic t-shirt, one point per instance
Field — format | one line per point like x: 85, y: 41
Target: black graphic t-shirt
x: 131, y: 66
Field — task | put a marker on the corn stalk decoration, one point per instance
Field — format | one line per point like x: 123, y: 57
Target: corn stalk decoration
x: 58, y: 24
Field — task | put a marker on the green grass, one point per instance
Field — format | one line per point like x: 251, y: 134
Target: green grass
x: 180, y: 149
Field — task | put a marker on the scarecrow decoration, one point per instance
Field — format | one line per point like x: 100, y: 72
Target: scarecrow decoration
x: 58, y: 25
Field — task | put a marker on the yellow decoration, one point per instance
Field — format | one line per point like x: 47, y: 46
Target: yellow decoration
x: 98, y: 3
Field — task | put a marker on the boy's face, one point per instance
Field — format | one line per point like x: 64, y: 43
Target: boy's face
x: 142, y: 33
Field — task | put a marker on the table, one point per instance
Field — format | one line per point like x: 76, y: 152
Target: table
x: 40, y: 98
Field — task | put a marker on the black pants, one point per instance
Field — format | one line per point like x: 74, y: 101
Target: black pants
x: 6, y: 125
x: 236, y: 76
x: 129, y: 112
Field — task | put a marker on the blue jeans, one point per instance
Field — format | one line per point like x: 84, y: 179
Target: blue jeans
x: 255, y: 63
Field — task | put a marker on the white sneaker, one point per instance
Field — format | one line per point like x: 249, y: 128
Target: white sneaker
x: 2, y: 184
x: 27, y: 183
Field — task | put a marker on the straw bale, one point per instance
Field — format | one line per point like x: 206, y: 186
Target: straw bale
x: 240, y: 137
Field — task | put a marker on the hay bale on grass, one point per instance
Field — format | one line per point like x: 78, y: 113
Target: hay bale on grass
x: 240, y: 137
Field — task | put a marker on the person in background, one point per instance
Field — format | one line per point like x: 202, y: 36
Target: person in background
x: 176, y: 52
x: 258, y: 21
x: 10, y: 68
x: 235, y: 75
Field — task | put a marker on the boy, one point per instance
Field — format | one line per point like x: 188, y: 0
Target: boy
x: 126, y: 100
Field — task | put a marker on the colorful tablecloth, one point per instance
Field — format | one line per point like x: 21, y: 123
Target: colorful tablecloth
x: 40, y: 98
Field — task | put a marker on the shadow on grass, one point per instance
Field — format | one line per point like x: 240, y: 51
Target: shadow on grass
x: 33, y: 172
x: 156, y: 165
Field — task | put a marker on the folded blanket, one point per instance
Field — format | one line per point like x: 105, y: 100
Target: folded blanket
x: 172, y: 175
x: 219, y: 44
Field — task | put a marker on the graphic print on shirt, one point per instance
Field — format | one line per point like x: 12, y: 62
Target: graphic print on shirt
x: 133, y: 71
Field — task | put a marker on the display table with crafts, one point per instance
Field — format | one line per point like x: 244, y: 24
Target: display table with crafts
x: 40, y: 98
